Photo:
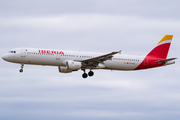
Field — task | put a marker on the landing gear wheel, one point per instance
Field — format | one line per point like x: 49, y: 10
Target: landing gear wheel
x: 84, y: 75
x: 91, y: 73
x: 21, y: 70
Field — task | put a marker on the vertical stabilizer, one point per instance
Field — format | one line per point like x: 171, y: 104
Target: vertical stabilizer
x: 162, y: 48
x: 159, y: 53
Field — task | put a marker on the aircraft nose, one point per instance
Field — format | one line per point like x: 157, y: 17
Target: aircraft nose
x: 5, y: 57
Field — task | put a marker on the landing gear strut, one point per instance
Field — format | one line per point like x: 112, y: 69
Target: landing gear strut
x: 84, y: 75
x: 21, y: 70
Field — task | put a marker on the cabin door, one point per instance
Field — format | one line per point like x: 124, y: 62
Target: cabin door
x: 58, y: 57
x: 23, y: 52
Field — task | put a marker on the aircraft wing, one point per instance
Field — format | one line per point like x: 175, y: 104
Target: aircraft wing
x: 93, y: 62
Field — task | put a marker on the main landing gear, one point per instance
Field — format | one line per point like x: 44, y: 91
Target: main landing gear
x: 85, y: 75
x: 21, y: 70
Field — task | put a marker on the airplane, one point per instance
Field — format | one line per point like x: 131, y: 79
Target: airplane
x: 70, y: 61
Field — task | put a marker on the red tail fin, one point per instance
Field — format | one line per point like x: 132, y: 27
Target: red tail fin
x: 159, y: 53
x: 162, y: 48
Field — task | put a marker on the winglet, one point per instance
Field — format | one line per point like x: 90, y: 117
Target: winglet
x: 120, y: 51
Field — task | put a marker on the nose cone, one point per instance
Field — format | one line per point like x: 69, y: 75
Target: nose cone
x: 5, y: 57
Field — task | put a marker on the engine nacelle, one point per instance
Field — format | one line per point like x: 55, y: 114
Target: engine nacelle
x: 100, y: 66
x: 64, y: 69
x: 72, y: 65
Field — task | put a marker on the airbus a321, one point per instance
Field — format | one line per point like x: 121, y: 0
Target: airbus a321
x: 70, y: 61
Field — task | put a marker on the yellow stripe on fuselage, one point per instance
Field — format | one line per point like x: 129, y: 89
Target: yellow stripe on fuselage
x: 165, y: 38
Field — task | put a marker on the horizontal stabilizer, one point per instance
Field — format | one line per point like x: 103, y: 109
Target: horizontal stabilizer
x: 161, y: 61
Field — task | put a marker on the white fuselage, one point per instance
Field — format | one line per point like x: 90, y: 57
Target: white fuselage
x: 59, y: 57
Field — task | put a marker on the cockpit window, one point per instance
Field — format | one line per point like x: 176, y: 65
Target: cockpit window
x: 12, y: 52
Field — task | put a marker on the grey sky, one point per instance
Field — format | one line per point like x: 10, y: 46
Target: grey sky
x: 153, y: 8
x: 134, y: 26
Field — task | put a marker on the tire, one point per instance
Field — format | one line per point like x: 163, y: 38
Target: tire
x: 21, y: 70
x: 91, y: 73
x: 84, y: 75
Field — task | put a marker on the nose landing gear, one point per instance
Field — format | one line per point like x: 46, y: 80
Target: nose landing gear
x: 21, y: 70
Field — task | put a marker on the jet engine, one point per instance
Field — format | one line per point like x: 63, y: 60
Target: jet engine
x: 64, y: 69
x: 73, y: 65
x: 70, y: 66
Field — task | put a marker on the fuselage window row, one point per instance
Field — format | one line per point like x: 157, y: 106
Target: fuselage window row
x: 125, y: 59
x: 75, y: 56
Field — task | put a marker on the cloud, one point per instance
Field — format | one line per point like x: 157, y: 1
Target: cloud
x: 75, y: 22
x: 148, y: 9
x: 111, y: 31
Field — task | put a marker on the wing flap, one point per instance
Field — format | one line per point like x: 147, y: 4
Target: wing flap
x: 101, y: 58
x: 93, y: 62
